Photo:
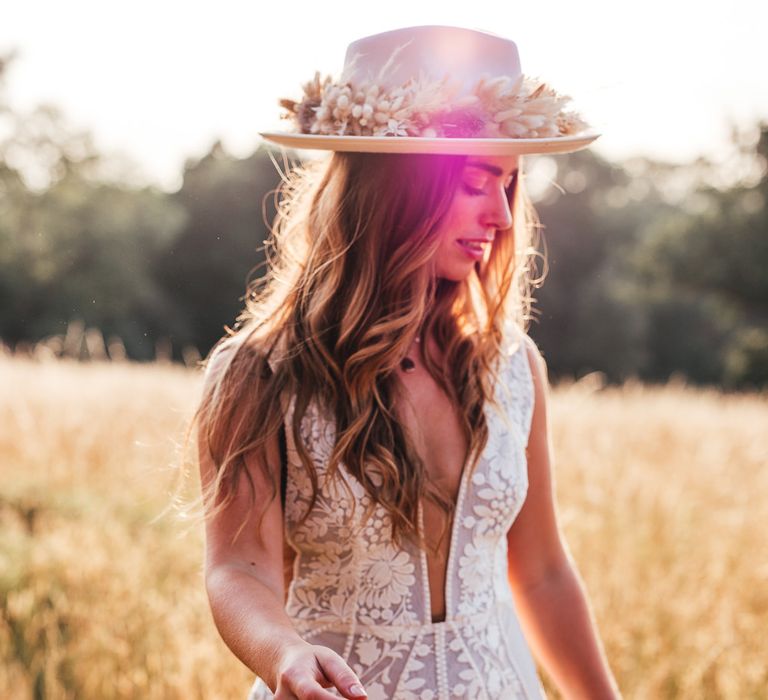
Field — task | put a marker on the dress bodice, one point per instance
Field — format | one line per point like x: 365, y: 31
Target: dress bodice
x: 356, y: 592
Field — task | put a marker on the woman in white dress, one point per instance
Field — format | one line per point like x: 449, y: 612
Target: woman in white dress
x: 373, y: 436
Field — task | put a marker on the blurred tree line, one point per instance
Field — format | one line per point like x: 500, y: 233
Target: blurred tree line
x: 653, y: 269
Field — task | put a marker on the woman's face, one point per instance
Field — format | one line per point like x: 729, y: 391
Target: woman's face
x: 478, y: 210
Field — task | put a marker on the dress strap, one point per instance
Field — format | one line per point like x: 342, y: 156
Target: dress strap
x: 515, y: 388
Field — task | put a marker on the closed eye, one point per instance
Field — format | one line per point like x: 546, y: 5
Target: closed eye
x: 473, y: 191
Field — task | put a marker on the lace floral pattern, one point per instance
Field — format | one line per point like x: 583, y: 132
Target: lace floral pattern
x: 357, y: 593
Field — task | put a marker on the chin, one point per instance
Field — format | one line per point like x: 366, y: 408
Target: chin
x: 456, y: 274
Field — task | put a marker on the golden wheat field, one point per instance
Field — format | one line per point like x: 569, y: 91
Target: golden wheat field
x: 662, y: 495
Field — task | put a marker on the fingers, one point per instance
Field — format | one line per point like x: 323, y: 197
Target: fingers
x: 285, y: 694
x: 338, y: 673
x: 306, y: 678
x: 305, y: 689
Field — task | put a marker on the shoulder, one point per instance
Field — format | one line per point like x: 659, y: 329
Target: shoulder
x: 538, y: 421
x: 220, y: 354
x: 523, y: 346
x: 240, y: 346
x: 535, y: 359
x: 219, y: 359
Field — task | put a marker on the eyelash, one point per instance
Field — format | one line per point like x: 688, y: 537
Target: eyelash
x: 476, y: 192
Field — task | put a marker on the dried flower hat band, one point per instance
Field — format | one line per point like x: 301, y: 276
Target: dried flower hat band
x: 432, y: 89
x: 495, y: 108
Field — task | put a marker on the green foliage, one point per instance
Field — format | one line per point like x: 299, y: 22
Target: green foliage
x: 587, y: 318
x: 204, y: 272
x: 643, y: 286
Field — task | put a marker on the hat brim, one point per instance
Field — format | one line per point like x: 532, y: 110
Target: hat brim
x: 447, y: 146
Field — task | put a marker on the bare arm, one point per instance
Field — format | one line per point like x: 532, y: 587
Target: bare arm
x: 245, y: 586
x: 549, y: 593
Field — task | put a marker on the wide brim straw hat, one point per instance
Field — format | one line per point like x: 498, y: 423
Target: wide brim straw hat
x: 432, y: 89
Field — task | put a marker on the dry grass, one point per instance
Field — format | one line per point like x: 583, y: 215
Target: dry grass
x: 662, y: 498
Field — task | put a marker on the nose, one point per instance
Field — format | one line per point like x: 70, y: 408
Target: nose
x: 498, y: 213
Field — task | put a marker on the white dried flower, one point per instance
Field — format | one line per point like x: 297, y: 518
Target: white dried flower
x: 507, y: 114
x: 397, y: 128
x: 494, y: 107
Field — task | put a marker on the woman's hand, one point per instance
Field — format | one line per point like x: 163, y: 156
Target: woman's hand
x: 305, y: 669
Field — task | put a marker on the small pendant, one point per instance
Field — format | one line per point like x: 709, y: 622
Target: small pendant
x: 407, y: 364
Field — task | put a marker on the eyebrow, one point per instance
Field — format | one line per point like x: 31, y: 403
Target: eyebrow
x: 493, y: 169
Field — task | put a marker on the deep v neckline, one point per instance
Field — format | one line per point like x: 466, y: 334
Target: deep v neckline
x: 456, y: 523
x: 449, y: 563
x: 439, y: 580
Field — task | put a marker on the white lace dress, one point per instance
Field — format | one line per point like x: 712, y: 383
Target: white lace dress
x: 356, y: 593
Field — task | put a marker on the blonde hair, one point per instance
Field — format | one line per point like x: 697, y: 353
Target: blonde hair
x: 348, y: 284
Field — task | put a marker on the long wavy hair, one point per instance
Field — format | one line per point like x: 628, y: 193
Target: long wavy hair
x: 349, y: 283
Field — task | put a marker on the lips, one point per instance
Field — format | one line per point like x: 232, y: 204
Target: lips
x: 475, y: 242
x: 475, y: 249
x: 472, y: 243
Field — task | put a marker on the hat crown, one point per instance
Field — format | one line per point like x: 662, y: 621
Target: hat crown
x: 433, y: 89
x: 391, y: 58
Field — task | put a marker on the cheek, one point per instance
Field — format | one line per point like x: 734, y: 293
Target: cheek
x: 458, y: 221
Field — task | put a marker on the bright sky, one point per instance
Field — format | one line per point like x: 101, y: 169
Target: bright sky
x: 161, y: 80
